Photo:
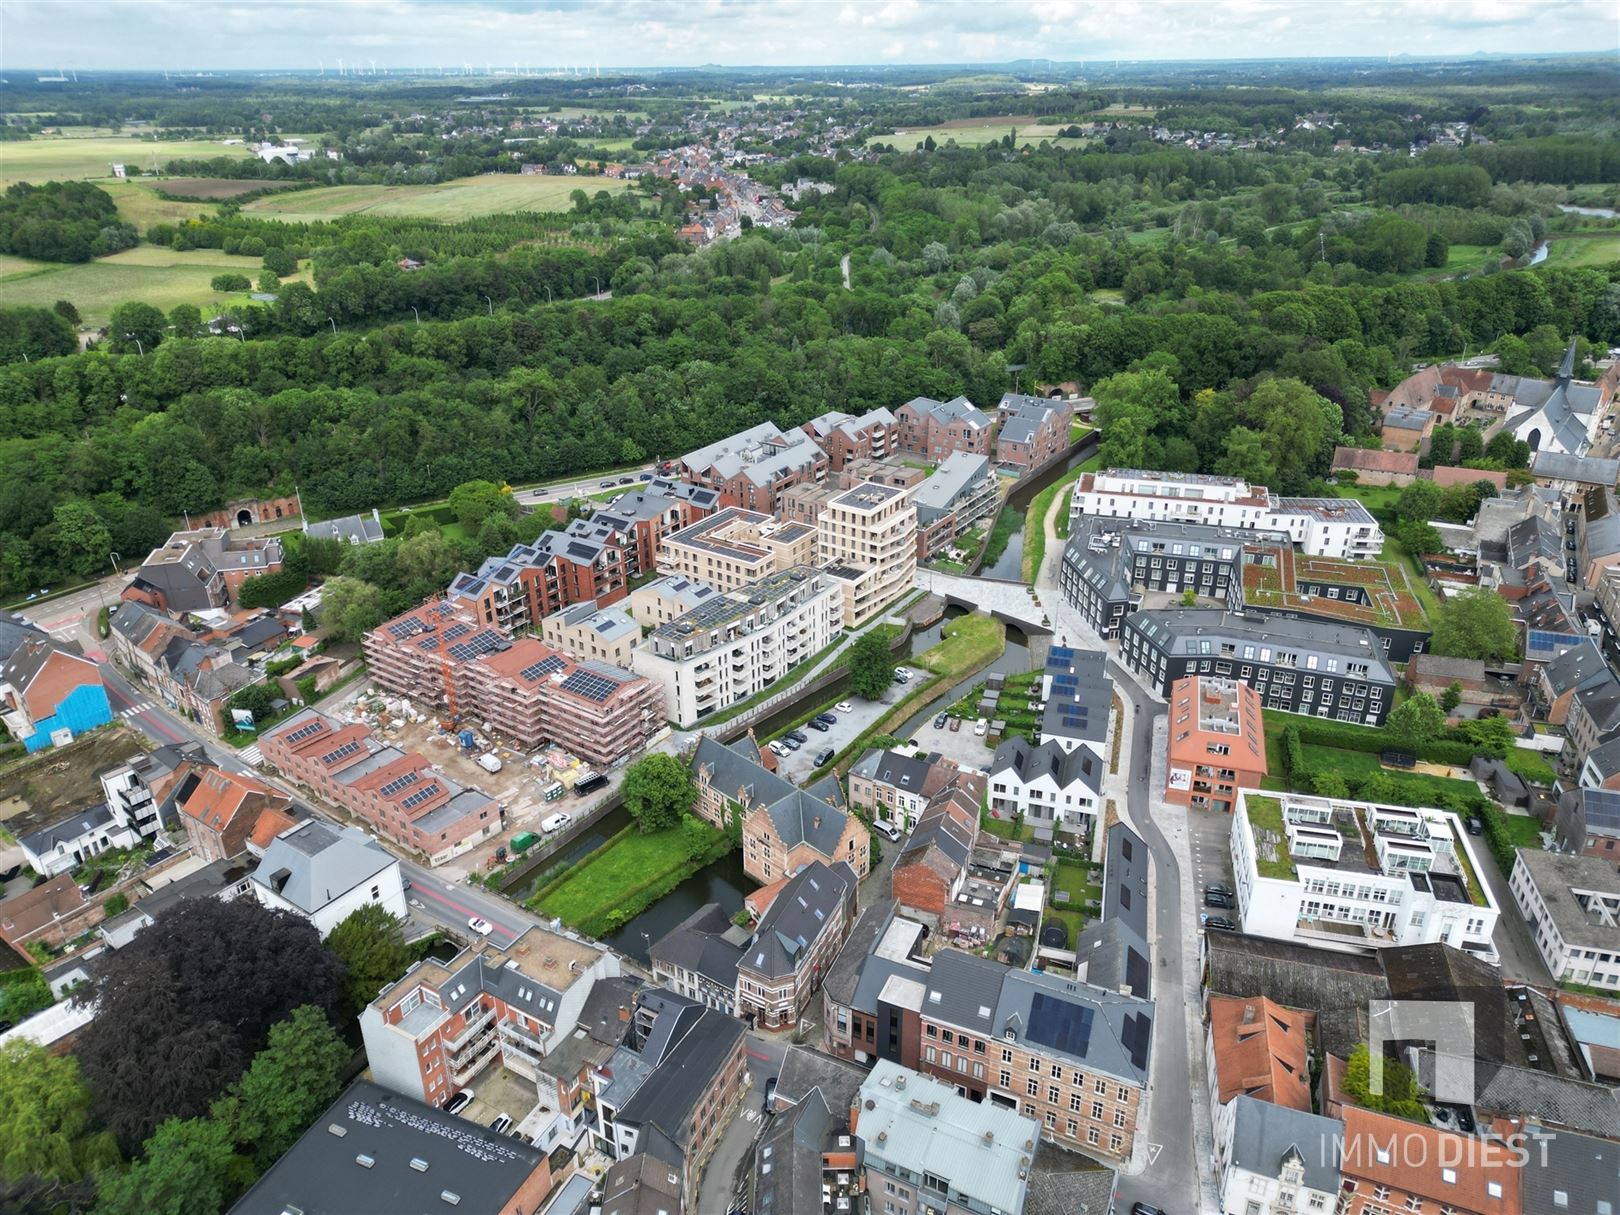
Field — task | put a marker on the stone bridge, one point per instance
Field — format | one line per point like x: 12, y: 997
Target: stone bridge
x: 1010, y: 602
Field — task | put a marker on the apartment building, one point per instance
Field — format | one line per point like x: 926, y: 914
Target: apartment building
x: 326, y: 873
x: 587, y: 631
x: 666, y: 599
x: 844, y: 437
x: 1031, y: 430
x: 536, y: 696
x: 442, y: 1024
x: 1357, y: 875
x: 779, y: 970
x: 194, y: 571
x: 750, y: 469
x: 962, y: 492
x: 740, y: 643
x: 734, y: 547
x: 866, y: 541
x: 398, y: 794
x: 934, y: 429
x: 1390, y: 1164
x: 1217, y: 742
x: 638, y: 519
x: 926, y: 1148
x: 1571, y: 904
x: 1322, y: 527
x: 698, y: 959
x: 1271, y: 1157
x: 1296, y: 666
x: 1079, y: 698
x: 515, y: 592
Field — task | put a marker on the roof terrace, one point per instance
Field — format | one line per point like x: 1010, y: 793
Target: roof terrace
x: 1368, y: 593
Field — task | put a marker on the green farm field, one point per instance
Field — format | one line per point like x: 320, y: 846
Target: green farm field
x: 975, y: 132
x: 68, y: 158
x: 490, y: 194
x: 1583, y: 249
x: 152, y: 275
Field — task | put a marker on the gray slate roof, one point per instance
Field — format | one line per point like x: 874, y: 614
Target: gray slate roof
x: 698, y: 944
x: 350, y: 529
x: 802, y: 910
x: 787, y: 1166
x: 66, y: 830
x: 314, y: 864
x: 1029, y: 763
x: 1581, y: 664
x: 1584, y: 1171
x: 1264, y: 1135
x: 1588, y: 470
x: 14, y: 630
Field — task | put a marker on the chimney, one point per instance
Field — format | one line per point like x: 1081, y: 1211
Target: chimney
x: 816, y: 822
x: 624, y: 1015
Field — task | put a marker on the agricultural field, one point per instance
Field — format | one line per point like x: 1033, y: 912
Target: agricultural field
x: 68, y: 158
x: 491, y: 194
x: 1583, y: 249
x: 138, y: 202
x: 152, y: 275
x: 975, y: 132
x: 216, y: 189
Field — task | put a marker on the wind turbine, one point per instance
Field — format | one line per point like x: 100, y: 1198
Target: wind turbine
x: 340, y: 65
x: 373, y: 67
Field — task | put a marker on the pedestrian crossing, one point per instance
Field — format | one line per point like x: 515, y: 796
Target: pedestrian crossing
x: 135, y: 710
x: 252, y: 755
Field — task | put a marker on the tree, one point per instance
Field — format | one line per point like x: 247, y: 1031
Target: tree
x: 135, y: 323
x: 258, y: 699
x: 1475, y: 623
x: 186, y: 1171
x: 1452, y: 696
x: 871, y: 666
x: 186, y: 319
x: 296, y: 1076
x: 1398, y: 1092
x: 371, y: 945
x: 228, y: 284
x: 45, y: 1117
x: 1328, y: 783
x: 474, y: 501
x: 66, y: 310
x: 22, y: 994
x: 280, y: 262
x: 1415, y: 722
x: 82, y: 539
x: 697, y: 837
x: 199, y: 990
x: 1416, y: 536
x: 658, y: 791
x: 349, y: 608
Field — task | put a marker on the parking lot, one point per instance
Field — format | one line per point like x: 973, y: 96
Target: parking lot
x: 798, y: 765
x: 961, y: 745
x: 1209, y: 833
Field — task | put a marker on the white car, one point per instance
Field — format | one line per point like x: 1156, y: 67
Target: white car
x: 843, y: 706
x: 459, y: 1101
x: 980, y: 726
x: 778, y: 749
x: 480, y: 925
x: 555, y: 823
x: 892, y: 830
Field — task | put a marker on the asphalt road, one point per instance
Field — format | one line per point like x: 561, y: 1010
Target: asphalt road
x: 583, y: 487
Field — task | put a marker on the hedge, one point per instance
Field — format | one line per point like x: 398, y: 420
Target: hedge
x: 1343, y: 736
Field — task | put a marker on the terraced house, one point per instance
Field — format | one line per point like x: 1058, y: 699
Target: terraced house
x: 753, y: 467
x: 780, y: 969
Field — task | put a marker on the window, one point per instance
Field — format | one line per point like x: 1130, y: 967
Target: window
x: 1057, y: 1071
x: 1006, y: 1055
x: 1096, y: 1109
x: 1006, y: 1079
x: 1102, y: 1086
x: 1115, y: 1142
x: 1092, y: 1135
x: 1119, y: 1117
x: 1074, y: 1102
x: 929, y: 1054
x: 1071, y: 1128
x: 1033, y: 1088
x: 1053, y: 1095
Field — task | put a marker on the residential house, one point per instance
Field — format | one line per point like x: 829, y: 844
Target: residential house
x: 196, y: 570
x: 843, y: 437
x: 1376, y: 467
x: 377, y: 1151
x: 643, y: 1184
x: 962, y: 492
x: 752, y: 468
x: 639, y: 520
x: 325, y: 873
x: 66, y: 844
x: 896, y: 787
x: 934, y: 429
x: 1574, y: 1173
x: 1588, y: 820
x: 806, y: 1158
x: 698, y: 960
x: 51, y: 913
x: 1581, y: 665
x: 1390, y: 1164
x: 218, y: 809
x: 1407, y: 430
x: 1217, y: 742
x: 1032, y: 430
x: 1272, y: 1157
x: 1079, y: 700
x: 934, y: 862
x: 49, y: 695
x: 1571, y: 904
x: 780, y: 968
x: 350, y: 529
x: 925, y: 1147
x: 193, y: 677
x: 1255, y: 1049
x: 866, y: 542
x: 1046, y: 784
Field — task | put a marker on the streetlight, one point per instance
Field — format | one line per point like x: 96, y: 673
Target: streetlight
x: 115, y: 558
x: 418, y: 314
x: 332, y: 323
x: 491, y: 304
x: 137, y: 342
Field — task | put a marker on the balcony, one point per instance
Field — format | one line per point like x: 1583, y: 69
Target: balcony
x: 467, y: 1069
x: 474, y: 1025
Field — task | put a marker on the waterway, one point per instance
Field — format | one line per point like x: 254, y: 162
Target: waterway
x: 1539, y: 256
x: 1010, y: 565
x: 1595, y: 212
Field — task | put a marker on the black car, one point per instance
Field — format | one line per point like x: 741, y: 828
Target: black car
x: 827, y: 719
x: 1143, y: 1208
x: 815, y: 723
x: 1218, y: 888
x: 1220, y: 922
x: 824, y: 756
x: 791, y: 743
x: 798, y: 736
x: 1475, y: 827
x: 939, y: 721
x: 1214, y: 898
x: 770, y: 1091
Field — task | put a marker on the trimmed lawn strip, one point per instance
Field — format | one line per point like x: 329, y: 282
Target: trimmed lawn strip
x: 1035, y: 523
x: 966, y: 644
x: 622, y: 878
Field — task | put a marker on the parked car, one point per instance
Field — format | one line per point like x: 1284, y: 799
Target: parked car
x: 791, y: 743
x: 778, y: 749
x: 1218, y: 888
x: 980, y: 726
x: 1143, y: 1208
x: 770, y: 1091
x: 500, y: 1122
x: 956, y: 724
x: 1475, y: 827
x: 1214, y: 898
x: 828, y: 719
x: 645, y: 477
x: 843, y: 706
x: 824, y: 756
x: 892, y: 830
x: 939, y: 721
x: 1218, y: 921
x: 459, y: 1100
x: 556, y: 822
x: 798, y: 736
x: 815, y: 723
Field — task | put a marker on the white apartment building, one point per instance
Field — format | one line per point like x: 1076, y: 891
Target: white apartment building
x: 866, y: 540
x: 740, y: 643
x: 1322, y: 527
x: 1273, y: 1159
x: 1572, y: 905
x: 1357, y: 875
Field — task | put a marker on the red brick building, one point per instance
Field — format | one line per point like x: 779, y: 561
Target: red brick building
x: 1032, y: 430
x: 1393, y: 1165
x: 934, y: 429
x: 752, y: 468
x: 872, y: 436
x: 218, y: 809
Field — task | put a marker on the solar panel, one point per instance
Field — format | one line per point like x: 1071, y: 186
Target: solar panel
x: 592, y: 687
x: 402, y: 629
x: 1540, y: 640
x: 303, y: 732
x: 538, y: 670
x: 428, y: 643
x: 1602, y: 809
x: 400, y: 782
x: 348, y: 748
x: 1135, y: 1036
x: 484, y: 643
x: 1060, y: 1024
x: 421, y: 795
x: 460, y: 629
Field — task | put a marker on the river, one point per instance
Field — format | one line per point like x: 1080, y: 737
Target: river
x: 1595, y: 212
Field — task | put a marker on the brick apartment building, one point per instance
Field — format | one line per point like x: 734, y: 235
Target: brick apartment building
x: 638, y: 520
x: 196, y: 570
x: 751, y: 468
x: 1393, y: 1165
x: 934, y: 429
x: 218, y: 809
x: 517, y: 591
x: 843, y: 437
x: 794, y: 944
x: 1217, y: 742
x: 1031, y: 430
x: 398, y: 794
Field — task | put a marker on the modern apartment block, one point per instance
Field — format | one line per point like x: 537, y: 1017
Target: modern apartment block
x: 1217, y: 742
x: 934, y: 429
x: 1571, y: 904
x: 844, y: 437
x: 1297, y: 666
x: 398, y: 794
x: 751, y: 468
x: 666, y: 599
x: 866, y: 540
x: 515, y: 592
x: 1031, y: 430
x: 794, y: 943
x: 734, y: 547
x: 962, y: 491
x: 1358, y: 875
x: 587, y: 631
x: 638, y: 519
x: 740, y: 643
x: 435, y: 1029
x: 201, y: 569
x: 1322, y: 527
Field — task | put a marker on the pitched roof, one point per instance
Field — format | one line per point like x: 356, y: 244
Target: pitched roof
x: 808, y: 905
x: 1578, y: 1174
x: 45, y: 673
x: 1363, y: 459
x: 1265, y: 1135
x: 24, y: 914
x: 315, y: 864
x: 213, y: 797
x: 1410, y: 1157
x: 698, y: 944
x: 1028, y: 764
x: 1261, y: 1050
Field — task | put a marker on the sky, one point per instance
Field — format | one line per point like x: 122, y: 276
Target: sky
x: 506, y: 35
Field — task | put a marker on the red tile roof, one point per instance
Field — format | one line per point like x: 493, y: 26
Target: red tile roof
x: 1261, y: 1050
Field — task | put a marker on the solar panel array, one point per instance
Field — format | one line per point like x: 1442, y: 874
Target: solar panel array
x: 421, y: 795
x: 459, y: 629
x: 400, y: 782
x: 1060, y: 1024
x: 303, y: 732
x: 402, y: 629
x: 1602, y: 809
x: 590, y: 686
x: 1135, y: 1036
x: 348, y: 748
x: 484, y: 643
x: 539, y: 670
x: 1540, y: 640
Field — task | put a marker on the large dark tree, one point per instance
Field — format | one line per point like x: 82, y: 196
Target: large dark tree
x: 190, y: 1001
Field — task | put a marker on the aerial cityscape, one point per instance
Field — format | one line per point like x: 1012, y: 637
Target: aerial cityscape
x: 798, y: 609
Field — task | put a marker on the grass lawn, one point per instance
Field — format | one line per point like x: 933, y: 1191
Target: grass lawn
x: 72, y: 158
x: 967, y: 643
x: 1065, y: 518
x: 1266, y: 819
x: 139, y: 203
x: 1427, y: 790
x: 970, y: 132
x: 488, y: 194
x: 1035, y: 523
x: 1530, y: 765
x: 1583, y: 249
x: 600, y: 884
x: 152, y: 275
x: 1522, y: 830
